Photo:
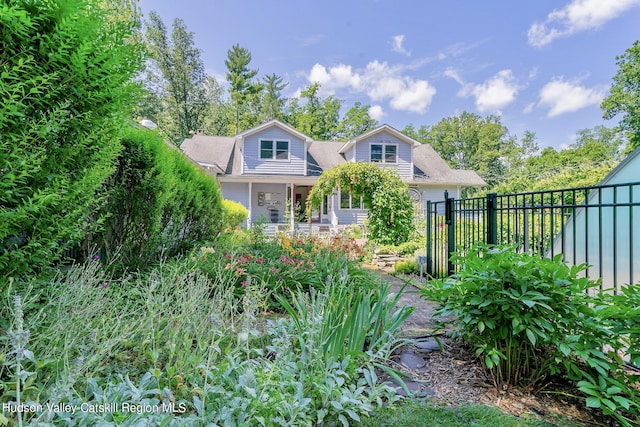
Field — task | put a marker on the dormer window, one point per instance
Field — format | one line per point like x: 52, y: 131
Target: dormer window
x: 274, y: 149
x: 384, y: 153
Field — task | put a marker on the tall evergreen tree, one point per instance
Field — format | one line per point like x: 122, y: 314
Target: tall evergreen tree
x: 273, y: 102
x: 242, y: 88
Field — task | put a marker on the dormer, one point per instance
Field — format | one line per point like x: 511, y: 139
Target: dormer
x: 273, y: 148
x: 384, y: 145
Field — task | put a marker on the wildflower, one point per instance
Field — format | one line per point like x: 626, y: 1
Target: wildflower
x: 105, y: 285
x: 275, y: 270
x: 227, y: 267
x: 243, y: 283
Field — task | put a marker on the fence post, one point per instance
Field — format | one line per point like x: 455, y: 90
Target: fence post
x: 492, y: 219
x: 429, y: 242
x: 450, y: 220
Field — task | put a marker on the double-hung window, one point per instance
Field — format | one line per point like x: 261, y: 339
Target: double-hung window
x: 349, y: 201
x: 384, y: 153
x: 274, y: 149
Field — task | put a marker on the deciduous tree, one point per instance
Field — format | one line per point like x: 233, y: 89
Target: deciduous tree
x: 175, y: 78
x: 624, y: 97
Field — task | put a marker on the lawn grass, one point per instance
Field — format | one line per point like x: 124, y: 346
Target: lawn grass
x: 424, y: 412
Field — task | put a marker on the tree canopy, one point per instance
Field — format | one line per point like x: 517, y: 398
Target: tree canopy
x: 386, y: 197
x: 624, y: 97
x: 179, y: 92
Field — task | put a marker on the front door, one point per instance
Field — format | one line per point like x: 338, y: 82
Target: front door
x: 300, y: 205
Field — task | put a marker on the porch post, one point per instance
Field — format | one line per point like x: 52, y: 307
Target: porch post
x: 292, y: 208
x: 250, y: 207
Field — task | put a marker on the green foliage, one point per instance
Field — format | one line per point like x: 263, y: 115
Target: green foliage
x: 242, y: 88
x: 469, y: 141
x: 355, y: 122
x: 278, y: 266
x: 414, y: 412
x: 596, y: 152
x: 386, y: 197
x: 159, y: 203
x: 624, y: 96
x: 66, y: 68
x: 351, y: 323
x: 408, y: 266
x: 176, y: 79
x: 317, y: 118
x: 178, y: 340
x: 531, y: 318
x: 234, y: 213
x: 406, y: 248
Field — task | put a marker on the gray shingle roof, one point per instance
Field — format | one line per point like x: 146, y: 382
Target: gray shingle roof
x: 220, y: 155
x: 213, y: 151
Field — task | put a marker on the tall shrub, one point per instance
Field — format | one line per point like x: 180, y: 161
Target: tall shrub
x: 159, y: 202
x: 66, y: 69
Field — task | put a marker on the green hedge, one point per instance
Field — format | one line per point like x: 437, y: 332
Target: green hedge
x: 159, y: 203
x: 66, y: 70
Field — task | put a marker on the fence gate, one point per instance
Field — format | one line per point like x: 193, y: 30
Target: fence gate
x: 598, y: 226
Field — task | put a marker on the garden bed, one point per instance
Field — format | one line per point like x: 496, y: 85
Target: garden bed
x: 453, y: 376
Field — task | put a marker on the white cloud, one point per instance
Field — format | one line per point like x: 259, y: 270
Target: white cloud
x: 379, y: 81
x: 579, y: 15
x: 396, y: 45
x: 562, y: 96
x: 337, y: 77
x: 529, y: 108
x: 453, y: 74
x: 376, y: 112
x: 494, y: 94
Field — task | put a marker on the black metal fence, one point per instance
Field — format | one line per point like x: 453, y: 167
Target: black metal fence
x: 598, y: 226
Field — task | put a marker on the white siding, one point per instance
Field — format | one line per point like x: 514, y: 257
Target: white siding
x: 253, y: 164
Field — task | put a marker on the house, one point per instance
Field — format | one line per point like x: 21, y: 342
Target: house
x: 271, y: 168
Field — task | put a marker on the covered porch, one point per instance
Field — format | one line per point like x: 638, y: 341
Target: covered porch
x: 280, y: 203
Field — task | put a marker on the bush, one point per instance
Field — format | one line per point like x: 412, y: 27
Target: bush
x: 234, y: 213
x: 408, y: 266
x: 67, y: 69
x: 403, y: 249
x: 159, y: 203
x: 530, y: 318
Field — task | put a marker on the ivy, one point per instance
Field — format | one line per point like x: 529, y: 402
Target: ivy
x: 386, y: 197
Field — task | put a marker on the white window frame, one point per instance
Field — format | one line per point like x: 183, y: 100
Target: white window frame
x: 274, y: 149
x: 351, y: 207
x: 384, y: 146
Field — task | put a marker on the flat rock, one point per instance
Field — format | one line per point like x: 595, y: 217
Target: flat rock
x: 416, y: 388
x: 427, y: 346
x: 412, y: 360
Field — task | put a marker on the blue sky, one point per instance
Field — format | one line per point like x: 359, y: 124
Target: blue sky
x: 542, y: 66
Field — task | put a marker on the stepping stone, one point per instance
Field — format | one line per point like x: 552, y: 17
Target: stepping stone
x: 411, y: 360
x: 417, y: 389
x: 427, y: 346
